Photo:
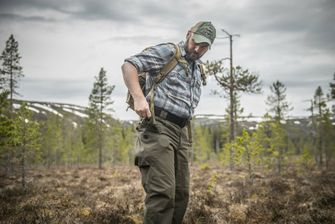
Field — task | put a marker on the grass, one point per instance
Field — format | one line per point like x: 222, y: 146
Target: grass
x: 218, y: 196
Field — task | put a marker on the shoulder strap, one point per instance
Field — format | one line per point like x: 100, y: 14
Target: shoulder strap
x: 169, y: 66
x: 203, y: 73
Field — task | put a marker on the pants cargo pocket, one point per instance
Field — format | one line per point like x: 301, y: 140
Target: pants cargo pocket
x: 143, y: 164
x: 145, y: 158
x: 153, y: 157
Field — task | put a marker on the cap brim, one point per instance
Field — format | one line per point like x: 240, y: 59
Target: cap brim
x: 201, y: 39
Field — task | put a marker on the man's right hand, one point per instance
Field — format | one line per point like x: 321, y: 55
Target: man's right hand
x: 141, y: 107
x: 130, y: 76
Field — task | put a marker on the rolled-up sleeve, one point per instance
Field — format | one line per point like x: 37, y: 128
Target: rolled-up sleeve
x: 152, y: 59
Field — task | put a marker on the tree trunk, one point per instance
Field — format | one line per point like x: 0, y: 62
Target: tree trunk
x: 100, y: 143
x: 23, y: 170
x: 231, y: 112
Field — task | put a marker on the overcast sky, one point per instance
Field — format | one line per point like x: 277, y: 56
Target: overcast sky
x: 64, y: 44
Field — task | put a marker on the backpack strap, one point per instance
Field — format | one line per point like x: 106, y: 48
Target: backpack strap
x: 203, y: 73
x: 167, y: 68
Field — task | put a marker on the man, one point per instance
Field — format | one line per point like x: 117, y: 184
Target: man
x: 164, y: 133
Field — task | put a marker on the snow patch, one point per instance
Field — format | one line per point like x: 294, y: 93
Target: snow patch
x: 75, y: 112
x: 33, y: 109
x: 73, y: 107
x: 48, y: 109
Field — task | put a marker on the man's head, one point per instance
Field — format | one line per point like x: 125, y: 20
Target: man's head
x: 199, y: 39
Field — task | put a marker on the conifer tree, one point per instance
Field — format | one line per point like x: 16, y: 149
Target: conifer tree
x: 77, y: 145
x: 202, y: 146
x: 279, y: 106
x: 11, y: 71
x: 328, y: 144
x: 278, y: 145
x: 27, y: 138
x: 332, y: 88
x: 4, y: 119
x: 277, y: 101
x: 52, y: 140
x: 6, y: 130
x: 321, y: 107
x: 90, y: 141
x: 332, y: 96
x: 313, y: 131
x: 250, y: 150
x: 124, y: 146
x: 262, y: 137
x: 241, y: 81
x: 99, y: 104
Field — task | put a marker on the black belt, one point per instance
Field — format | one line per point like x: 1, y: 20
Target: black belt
x: 181, y: 122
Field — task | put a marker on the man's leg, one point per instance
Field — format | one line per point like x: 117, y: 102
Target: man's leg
x: 182, y: 178
x: 156, y: 163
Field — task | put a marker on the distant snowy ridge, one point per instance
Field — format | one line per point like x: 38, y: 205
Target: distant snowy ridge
x: 75, y: 112
x: 44, y: 107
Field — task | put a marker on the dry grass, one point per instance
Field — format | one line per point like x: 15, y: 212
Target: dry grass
x: 218, y: 196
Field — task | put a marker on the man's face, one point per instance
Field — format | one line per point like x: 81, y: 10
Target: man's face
x: 195, y: 51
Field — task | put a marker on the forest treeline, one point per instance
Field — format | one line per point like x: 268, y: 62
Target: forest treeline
x: 28, y: 138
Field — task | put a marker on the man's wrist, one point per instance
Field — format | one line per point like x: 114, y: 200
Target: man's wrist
x: 138, y: 96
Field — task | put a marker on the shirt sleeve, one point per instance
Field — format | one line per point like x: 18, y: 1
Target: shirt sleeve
x: 152, y: 59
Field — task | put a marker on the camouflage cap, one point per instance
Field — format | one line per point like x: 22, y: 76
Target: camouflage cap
x: 204, y: 32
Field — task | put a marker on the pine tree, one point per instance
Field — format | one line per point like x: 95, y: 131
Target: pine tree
x: 11, y: 70
x: 313, y: 130
x: 332, y: 88
x: 262, y: 137
x: 280, y: 107
x: 52, y: 140
x: 328, y: 137
x: 278, y: 144
x: 321, y: 106
x: 99, y: 104
x: 240, y: 81
x: 27, y: 138
x: 90, y: 141
x: 6, y: 130
x: 4, y: 119
x: 332, y: 95
x: 202, y: 146
x: 77, y: 145
x: 250, y: 150
x: 277, y: 102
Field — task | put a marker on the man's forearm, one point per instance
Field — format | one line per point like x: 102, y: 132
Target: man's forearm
x: 130, y: 77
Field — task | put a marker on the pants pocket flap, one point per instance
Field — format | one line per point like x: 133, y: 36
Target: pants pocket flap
x: 141, y: 160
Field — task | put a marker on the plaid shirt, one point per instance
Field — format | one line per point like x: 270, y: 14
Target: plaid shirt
x: 178, y: 93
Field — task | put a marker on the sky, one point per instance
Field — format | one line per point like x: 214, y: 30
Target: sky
x: 64, y: 44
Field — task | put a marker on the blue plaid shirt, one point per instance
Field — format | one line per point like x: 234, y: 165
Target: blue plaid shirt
x: 178, y: 93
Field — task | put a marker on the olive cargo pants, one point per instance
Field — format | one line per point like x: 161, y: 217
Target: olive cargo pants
x: 163, y: 162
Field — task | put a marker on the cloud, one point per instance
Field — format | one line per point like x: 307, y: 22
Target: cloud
x: 45, y: 88
x: 15, y: 17
x: 65, y: 42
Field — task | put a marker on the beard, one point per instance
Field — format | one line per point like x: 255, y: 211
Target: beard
x: 191, y: 55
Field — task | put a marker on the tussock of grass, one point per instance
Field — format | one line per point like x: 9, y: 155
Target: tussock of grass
x: 218, y: 196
